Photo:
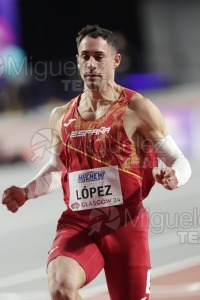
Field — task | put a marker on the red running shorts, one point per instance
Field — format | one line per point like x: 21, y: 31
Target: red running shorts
x: 114, y: 239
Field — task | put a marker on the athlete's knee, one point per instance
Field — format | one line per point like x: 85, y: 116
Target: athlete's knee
x: 64, y: 283
x: 60, y: 289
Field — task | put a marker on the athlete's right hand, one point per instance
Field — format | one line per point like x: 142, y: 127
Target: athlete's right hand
x: 13, y: 198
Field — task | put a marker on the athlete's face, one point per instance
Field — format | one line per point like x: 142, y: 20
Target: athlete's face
x: 97, y: 62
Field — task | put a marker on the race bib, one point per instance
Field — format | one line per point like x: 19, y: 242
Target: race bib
x: 93, y: 188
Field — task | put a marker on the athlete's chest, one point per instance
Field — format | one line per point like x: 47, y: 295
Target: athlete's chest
x: 110, y: 127
x: 88, y: 114
x: 113, y: 119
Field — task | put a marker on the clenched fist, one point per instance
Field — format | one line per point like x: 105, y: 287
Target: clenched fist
x: 13, y: 198
x: 166, y: 177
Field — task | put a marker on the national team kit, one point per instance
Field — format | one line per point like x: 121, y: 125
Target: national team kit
x: 105, y: 177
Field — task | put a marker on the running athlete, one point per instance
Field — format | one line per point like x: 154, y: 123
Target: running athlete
x: 107, y: 144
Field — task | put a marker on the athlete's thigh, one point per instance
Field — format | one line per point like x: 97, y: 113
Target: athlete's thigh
x: 128, y: 264
x: 76, y: 244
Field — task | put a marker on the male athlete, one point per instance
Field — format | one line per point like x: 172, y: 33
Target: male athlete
x: 107, y: 143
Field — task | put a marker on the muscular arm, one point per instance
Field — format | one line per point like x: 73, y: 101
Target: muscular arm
x: 48, y: 178
x: 152, y: 126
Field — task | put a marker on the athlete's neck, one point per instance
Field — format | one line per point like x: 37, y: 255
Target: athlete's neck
x: 99, y: 98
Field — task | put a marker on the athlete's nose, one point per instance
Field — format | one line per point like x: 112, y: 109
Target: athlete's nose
x: 91, y: 63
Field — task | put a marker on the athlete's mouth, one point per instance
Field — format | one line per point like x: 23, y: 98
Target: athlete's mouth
x: 92, y: 76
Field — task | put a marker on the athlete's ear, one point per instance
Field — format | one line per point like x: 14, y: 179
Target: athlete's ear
x: 77, y: 59
x: 117, y: 60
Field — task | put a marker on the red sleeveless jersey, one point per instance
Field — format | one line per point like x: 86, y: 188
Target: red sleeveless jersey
x: 103, y: 142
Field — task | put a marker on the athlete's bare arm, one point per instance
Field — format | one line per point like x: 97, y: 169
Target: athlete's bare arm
x: 151, y: 125
x: 149, y: 120
x: 48, y: 178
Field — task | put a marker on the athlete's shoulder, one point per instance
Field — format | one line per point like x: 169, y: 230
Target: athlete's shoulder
x: 58, y: 111
x: 128, y: 92
x: 133, y: 95
x: 140, y: 103
x: 57, y: 115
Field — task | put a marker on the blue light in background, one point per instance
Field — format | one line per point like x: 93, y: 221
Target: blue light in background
x: 9, y: 12
x: 11, y: 53
x: 143, y: 81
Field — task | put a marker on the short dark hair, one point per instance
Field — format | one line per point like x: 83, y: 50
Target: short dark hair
x: 95, y: 31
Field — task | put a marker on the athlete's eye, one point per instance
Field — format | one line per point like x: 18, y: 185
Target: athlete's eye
x: 99, y: 58
x: 85, y: 57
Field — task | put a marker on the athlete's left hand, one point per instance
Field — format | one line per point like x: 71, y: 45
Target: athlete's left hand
x: 166, y: 177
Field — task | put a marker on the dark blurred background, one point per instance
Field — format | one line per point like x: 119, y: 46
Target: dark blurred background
x: 160, y: 46
x: 159, y: 43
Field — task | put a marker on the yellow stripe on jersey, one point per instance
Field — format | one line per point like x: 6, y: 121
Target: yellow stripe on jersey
x: 103, y: 162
